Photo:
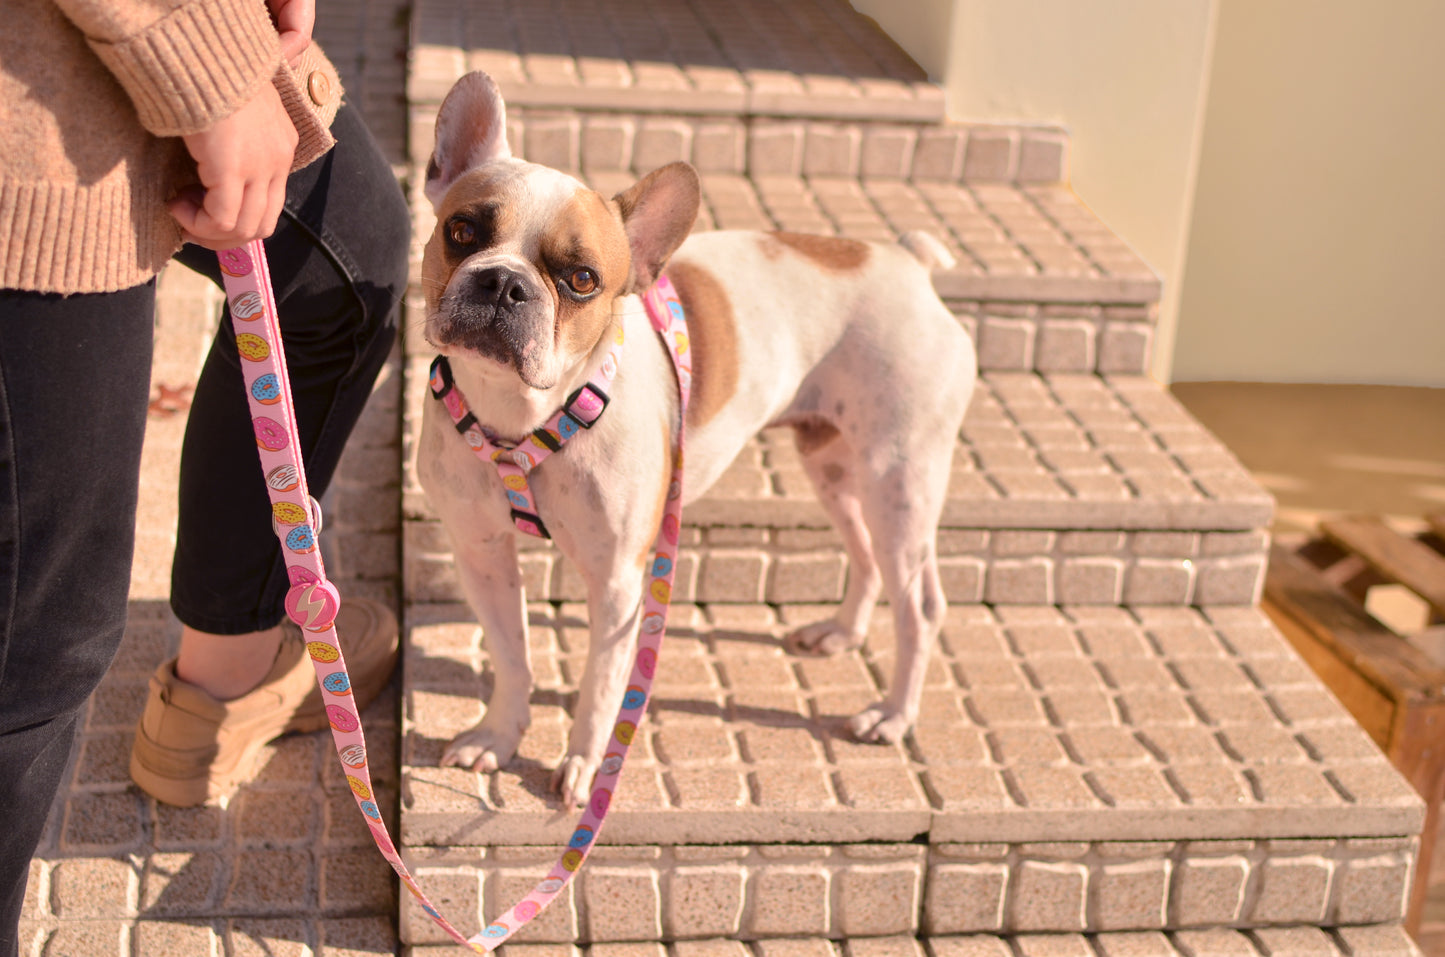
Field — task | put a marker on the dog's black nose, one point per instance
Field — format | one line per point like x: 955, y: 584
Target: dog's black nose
x: 502, y: 286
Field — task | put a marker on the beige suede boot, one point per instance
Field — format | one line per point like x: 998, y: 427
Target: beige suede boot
x: 190, y: 748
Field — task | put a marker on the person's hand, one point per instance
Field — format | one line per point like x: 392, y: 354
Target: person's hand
x: 243, y: 162
x: 294, y: 20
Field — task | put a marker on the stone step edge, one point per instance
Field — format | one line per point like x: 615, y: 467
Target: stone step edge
x: 884, y: 890
x: 794, y: 566
x: 1020, y: 154
x: 1017, y: 237
x: 617, y: 83
x: 668, y: 89
x: 1381, y: 940
x: 1044, y: 453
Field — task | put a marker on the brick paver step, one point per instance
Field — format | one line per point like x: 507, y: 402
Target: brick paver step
x: 1078, y: 489
x: 746, y: 58
x: 1041, y: 283
x: 1074, y: 769
x: 1370, y: 941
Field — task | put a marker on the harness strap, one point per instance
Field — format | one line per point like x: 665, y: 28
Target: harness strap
x: 313, y: 601
x: 515, y: 460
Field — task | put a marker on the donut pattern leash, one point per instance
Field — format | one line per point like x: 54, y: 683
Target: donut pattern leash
x: 665, y: 311
x: 312, y: 601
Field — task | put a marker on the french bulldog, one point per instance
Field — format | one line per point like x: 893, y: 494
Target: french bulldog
x: 528, y: 276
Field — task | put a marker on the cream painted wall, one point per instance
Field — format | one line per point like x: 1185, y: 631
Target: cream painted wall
x: 1318, y: 240
x: 1126, y: 77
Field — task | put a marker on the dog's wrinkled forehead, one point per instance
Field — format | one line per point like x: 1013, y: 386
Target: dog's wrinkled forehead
x: 519, y: 206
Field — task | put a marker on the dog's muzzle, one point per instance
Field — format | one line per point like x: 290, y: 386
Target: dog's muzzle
x: 497, y: 312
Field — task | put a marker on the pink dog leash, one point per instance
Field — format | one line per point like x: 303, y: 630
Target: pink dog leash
x: 313, y: 601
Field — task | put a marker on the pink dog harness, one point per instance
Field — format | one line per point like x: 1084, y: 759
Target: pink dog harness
x: 515, y: 460
x: 313, y: 601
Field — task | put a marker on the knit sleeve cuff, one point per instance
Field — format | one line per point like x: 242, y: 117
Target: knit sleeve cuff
x: 310, y: 90
x: 195, y: 66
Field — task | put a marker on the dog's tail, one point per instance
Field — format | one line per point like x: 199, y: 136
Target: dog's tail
x: 927, y: 249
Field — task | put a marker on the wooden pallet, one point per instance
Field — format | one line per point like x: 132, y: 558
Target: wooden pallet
x: 1316, y: 594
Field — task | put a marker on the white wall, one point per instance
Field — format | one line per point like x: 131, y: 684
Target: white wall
x: 1318, y: 241
x: 1126, y: 77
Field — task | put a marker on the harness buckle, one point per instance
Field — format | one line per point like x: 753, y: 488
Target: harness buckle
x: 529, y: 523
x: 586, y: 405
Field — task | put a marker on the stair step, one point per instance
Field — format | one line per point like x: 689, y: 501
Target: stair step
x: 1074, y: 769
x: 1367, y: 941
x: 1077, y: 489
x: 1040, y: 282
x: 754, y: 58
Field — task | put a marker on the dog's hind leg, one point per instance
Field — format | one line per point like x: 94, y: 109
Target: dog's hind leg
x: 831, y: 465
x: 901, y: 505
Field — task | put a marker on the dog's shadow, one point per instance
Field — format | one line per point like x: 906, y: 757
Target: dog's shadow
x: 532, y: 769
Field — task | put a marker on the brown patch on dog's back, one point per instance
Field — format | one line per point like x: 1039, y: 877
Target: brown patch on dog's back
x: 712, y: 331
x: 830, y: 252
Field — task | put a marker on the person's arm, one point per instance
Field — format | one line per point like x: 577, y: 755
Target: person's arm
x: 201, y: 70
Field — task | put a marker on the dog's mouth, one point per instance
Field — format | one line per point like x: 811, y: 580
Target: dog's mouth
x: 498, y: 311
x: 509, y: 340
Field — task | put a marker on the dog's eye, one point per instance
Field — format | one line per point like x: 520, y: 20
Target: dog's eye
x: 462, y: 232
x: 583, y: 281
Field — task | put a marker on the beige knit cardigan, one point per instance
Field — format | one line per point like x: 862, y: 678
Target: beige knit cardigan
x: 93, y: 97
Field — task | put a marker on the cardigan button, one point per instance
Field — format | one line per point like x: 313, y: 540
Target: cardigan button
x: 318, y: 85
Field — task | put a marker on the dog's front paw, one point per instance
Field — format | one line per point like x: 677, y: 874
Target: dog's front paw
x: 573, y: 779
x: 822, y: 638
x: 880, y: 724
x: 487, y: 747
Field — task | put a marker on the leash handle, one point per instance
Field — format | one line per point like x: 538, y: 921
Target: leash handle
x: 312, y: 601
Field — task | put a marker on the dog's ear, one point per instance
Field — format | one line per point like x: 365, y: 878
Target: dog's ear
x: 471, y: 130
x: 658, y: 212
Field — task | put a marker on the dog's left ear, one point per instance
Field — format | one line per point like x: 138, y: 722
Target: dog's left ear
x: 658, y: 212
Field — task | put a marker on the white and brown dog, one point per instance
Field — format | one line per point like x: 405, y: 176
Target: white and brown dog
x: 844, y: 341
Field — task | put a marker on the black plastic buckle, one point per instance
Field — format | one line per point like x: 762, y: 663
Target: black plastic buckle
x: 588, y: 387
x: 440, y: 368
x: 519, y: 516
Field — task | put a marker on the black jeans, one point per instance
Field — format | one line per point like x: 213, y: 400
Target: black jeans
x: 74, y: 384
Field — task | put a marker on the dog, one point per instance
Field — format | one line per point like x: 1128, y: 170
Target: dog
x: 527, y: 275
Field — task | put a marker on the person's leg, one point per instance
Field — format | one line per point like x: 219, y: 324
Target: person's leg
x: 338, y: 261
x: 74, y: 377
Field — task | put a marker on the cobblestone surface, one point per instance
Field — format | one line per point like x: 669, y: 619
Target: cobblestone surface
x: 879, y: 890
x: 1388, y: 941
x: 1039, y: 723
x: 808, y: 58
x: 1071, y: 488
